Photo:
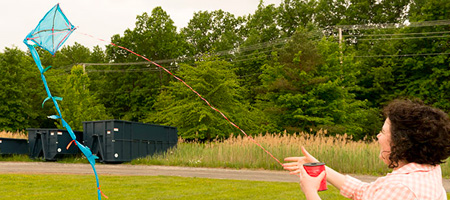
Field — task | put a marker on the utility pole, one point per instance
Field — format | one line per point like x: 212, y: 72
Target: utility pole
x: 340, y: 45
x: 84, y: 72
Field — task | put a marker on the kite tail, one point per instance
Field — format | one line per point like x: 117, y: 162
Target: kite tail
x: 91, y: 158
x: 86, y: 151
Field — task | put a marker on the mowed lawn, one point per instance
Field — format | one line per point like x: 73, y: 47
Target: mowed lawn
x: 20, y: 186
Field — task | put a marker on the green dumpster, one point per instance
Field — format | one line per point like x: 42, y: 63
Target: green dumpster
x: 51, y: 143
x: 117, y: 141
x: 9, y: 146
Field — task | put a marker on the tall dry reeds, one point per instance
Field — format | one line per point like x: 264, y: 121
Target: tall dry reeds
x: 339, y: 152
x: 15, y: 135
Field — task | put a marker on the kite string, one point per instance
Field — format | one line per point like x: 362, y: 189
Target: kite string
x: 179, y: 79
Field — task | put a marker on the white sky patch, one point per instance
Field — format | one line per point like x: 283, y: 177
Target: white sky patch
x: 104, y: 18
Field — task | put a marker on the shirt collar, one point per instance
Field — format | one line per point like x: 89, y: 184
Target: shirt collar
x: 413, y: 167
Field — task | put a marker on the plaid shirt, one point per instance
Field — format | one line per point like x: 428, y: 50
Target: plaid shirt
x: 412, y: 181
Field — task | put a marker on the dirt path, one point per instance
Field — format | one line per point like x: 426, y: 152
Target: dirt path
x: 144, y: 170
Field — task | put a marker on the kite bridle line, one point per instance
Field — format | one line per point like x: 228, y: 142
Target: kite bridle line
x: 179, y: 79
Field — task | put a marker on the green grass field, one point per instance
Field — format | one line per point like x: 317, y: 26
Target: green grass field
x: 19, y: 186
x: 339, y: 152
x: 48, y: 187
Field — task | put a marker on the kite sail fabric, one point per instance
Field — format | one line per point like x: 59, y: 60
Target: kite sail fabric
x: 50, y: 34
x: 52, y: 31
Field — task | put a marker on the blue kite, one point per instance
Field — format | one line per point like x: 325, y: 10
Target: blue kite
x: 50, y: 34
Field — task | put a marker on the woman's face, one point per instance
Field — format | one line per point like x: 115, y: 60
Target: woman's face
x: 384, y: 139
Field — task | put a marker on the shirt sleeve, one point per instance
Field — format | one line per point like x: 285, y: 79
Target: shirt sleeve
x: 353, y: 188
x: 356, y: 189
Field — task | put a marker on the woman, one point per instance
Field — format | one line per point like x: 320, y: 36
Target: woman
x: 414, y: 140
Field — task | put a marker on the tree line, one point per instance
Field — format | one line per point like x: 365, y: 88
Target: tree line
x: 304, y: 65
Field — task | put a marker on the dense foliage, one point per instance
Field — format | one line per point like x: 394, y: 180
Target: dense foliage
x: 280, y: 68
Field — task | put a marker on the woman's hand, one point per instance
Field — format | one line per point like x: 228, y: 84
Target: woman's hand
x: 309, y: 184
x: 296, y: 167
x: 297, y: 162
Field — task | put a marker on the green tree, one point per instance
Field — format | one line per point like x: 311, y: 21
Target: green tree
x: 428, y: 10
x: 130, y: 92
x: 296, y: 13
x: 63, y: 61
x: 98, y: 80
x: 179, y: 106
x: 155, y: 37
x: 390, y: 74
x: 376, y: 79
x: 262, y: 35
x: 21, y: 92
x: 97, y: 55
x: 306, y: 88
x: 71, y: 55
x: 78, y: 103
x: 426, y: 75
x: 212, y: 31
x: 350, y: 12
x: 262, y: 26
x: 332, y: 12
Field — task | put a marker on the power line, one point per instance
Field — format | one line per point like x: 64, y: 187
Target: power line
x: 397, y: 34
x: 234, y: 60
x: 219, y: 53
x: 131, y: 70
x: 255, y: 47
x: 248, y: 75
x: 393, y: 25
x: 169, y: 68
x: 241, y: 60
x: 279, y: 41
x: 408, y: 38
x: 255, y: 58
x: 401, y: 55
x: 264, y: 44
x: 129, y: 63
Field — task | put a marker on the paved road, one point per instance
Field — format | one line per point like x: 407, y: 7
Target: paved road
x: 144, y: 170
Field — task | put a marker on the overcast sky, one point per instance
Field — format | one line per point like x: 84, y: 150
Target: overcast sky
x: 104, y: 18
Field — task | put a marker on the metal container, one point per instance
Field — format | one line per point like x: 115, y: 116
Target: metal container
x: 10, y: 146
x: 51, y: 143
x: 117, y: 141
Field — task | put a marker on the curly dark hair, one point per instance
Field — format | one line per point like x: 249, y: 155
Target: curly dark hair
x: 419, y: 133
